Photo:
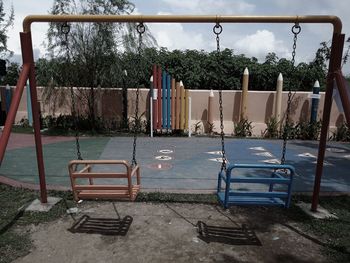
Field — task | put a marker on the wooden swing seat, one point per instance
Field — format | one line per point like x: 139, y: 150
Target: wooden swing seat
x: 127, y: 191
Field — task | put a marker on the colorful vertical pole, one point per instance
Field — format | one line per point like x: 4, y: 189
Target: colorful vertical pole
x: 159, y: 83
x: 177, y: 107
x: 278, y: 101
x: 189, y: 116
x: 168, y: 101
x: 187, y: 109
x: 8, y: 97
x: 172, y: 115
x: 315, y: 101
x: 244, y: 97
x: 151, y: 105
x: 164, y: 96
x: 154, y: 98
x: 182, y: 111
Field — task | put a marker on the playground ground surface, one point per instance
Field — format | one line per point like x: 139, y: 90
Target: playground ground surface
x: 167, y: 230
x: 176, y: 164
x: 164, y: 227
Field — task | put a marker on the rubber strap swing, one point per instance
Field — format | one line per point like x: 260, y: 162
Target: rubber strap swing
x: 106, y: 191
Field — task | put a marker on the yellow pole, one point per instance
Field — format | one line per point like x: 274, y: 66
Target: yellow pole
x: 177, y: 107
x: 173, y: 104
x: 187, y: 110
x: 244, y: 97
x: 278, y: 104
x: 211, y: 107
x: 182, y: 111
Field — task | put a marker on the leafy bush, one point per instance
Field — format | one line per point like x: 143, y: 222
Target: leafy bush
x: 308, y: 130
x: 271, y: 130
x: 243, y: 128
x: 342, y: 133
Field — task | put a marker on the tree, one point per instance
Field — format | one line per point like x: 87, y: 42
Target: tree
x: 89, y: 52
x: 5, y: 23
x: 12, y: 74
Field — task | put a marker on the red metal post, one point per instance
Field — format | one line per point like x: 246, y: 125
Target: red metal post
x: 334, y: 65
x: 13, y: 109
x: 159, y: 124
x: 27, y: 53
x: 343, y: 95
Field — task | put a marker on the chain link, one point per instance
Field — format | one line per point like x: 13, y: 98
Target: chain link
x: 217, y: 29
x: 65, y: 29
x: 140, y: 29
x: 296, y: 29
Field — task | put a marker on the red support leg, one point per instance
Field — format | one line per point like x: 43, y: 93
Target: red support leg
x: 27, y: 53
x: 13, y: 109
x: 334, y: 65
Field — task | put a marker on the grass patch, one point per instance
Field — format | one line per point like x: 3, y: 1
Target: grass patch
x: 334, y: 233
x: 20, y: 129
x: 176, y: 198
x: 14, y: 239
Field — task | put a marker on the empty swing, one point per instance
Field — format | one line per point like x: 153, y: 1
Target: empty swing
x: 130, y: 172
x: 280, y: 174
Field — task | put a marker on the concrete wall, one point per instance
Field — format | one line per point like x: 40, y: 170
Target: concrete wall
x: 260, y: 107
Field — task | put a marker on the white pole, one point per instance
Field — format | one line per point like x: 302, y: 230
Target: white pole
x: 151, y: 113
x: 189, y: 116
x: 278, y: 101
x: 151, y: 107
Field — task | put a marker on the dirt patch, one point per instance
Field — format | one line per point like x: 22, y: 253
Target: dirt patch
x: 168, y: 232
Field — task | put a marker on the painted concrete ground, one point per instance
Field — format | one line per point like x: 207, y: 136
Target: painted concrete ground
x: 170, y: 163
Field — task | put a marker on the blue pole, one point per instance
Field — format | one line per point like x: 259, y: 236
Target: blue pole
x: 164, y: 96
x: 315, y: 102
x: 169, y: 100
x: 8, y: 98
x: 29, y: 105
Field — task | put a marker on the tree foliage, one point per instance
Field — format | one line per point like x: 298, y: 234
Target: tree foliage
x: 5, y: 23
x: 200, y: 70
x: 86, y: 54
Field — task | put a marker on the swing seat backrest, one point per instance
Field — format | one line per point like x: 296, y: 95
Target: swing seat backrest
x: 83, y: 180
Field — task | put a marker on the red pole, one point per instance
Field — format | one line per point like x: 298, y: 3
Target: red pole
x: 154, y: 101
x: 27, y: 53
x: 159, y: 124
x: 13, y: 109
x: 334, y: 65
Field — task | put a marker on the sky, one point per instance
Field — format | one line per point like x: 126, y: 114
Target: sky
x: 250, y: 39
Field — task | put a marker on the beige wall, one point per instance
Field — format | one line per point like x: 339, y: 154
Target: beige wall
x: 260, y: 107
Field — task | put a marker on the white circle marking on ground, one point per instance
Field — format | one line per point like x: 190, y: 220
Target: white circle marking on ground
x: 166, y: 151
x: 163, y: 158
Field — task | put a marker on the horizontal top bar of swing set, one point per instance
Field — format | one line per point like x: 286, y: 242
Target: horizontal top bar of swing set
x: 334, y: 20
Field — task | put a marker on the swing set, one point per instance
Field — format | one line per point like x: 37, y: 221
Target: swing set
x: 129, y: 191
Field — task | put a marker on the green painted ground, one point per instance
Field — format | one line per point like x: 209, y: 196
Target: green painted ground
x: 20, y: 164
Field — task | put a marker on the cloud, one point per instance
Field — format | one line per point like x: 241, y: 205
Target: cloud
x: 260, y: 43
x: 210, y: 6
x: 174, y: 36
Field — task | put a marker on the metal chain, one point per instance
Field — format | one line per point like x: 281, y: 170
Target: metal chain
x: 140, y: 29
x: 217, y: 29
x: 296, y: 29
x: 65, y: 29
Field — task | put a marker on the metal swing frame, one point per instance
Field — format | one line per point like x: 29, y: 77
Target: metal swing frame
x: 28, y: 72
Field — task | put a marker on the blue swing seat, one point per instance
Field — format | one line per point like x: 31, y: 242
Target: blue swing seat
x: 229, y: 196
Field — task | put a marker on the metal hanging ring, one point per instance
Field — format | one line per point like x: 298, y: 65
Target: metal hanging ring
x: 141, y: 28
x: 217, y: 29
x: 296, y: 29
x: 65, y: 28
